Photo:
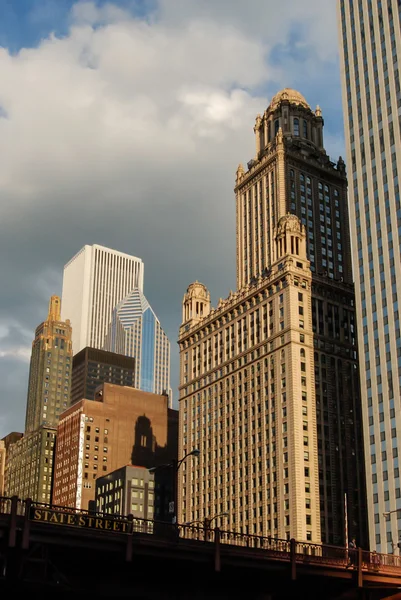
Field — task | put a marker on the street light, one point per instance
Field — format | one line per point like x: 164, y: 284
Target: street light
x: 208, y: 522
x: 386, y: 515
x: 175, y: 466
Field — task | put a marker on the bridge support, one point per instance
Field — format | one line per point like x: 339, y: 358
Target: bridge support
x: 359, y: 565
x: 27, y: 522
x: 12, y: 534
x: 293, y: 559
x: 217, y: 558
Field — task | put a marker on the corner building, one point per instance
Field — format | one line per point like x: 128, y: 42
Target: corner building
x: 370, y: 46
x: 247, y: 400
x: 291, y: 173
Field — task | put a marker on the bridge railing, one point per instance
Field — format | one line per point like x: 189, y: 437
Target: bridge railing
x: 301, y: 552
x: 375, y: 561
x: 6, y: 506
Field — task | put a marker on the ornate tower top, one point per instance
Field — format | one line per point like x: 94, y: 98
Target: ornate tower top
x: 290, y: 237
x: 291, y: 95
x: 196, y: 303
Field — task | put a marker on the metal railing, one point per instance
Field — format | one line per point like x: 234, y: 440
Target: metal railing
x: 299, y: 552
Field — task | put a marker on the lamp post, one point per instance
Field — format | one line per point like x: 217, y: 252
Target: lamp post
x: 386, y: 515
x: 175, y: 467
x: 207, y: 522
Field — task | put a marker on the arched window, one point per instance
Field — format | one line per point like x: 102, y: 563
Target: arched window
x: 276, y: 126
x: 269, y: 131
x: 305, y: 129
x: 296, y: 127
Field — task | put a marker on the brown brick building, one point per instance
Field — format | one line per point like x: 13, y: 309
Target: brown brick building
x: 122, y: 425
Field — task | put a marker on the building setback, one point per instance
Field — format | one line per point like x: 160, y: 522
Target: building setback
x: 92, y: 367
x: 121, y: 425
x: 290, y: 174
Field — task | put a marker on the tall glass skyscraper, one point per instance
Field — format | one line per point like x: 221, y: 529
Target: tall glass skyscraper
x: 136, y: 331
x: 370, y: 43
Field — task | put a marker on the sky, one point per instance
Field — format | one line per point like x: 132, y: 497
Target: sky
x: 122, y: 123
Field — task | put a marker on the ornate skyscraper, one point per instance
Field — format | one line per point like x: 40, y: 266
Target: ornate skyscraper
x: 290, y: 173
x: 370, y: 45
x: 50, y: 371
x: 29, y: 461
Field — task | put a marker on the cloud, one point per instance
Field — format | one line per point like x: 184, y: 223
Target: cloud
x: 127, y: 132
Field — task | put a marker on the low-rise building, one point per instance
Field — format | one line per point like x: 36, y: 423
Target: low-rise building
x: 127, y: 491
x: 29, y: 465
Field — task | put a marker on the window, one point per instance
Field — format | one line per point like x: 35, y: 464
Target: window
x: 305, y: 129
x: 296, y: 127
x: 276, y: 126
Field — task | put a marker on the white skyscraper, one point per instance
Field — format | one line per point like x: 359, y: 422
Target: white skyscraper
x: 370, y: 44
x: 95, y: 281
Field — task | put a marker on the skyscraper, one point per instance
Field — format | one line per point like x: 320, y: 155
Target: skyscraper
x: 50, y: 370
x: 370, y: 44
x: 247, y: 400
x: 29, y: 461
x: 136, y: 331
x: 95, y: 281
x: 290, y: 173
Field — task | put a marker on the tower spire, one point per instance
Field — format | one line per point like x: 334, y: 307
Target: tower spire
x: 54, y: 309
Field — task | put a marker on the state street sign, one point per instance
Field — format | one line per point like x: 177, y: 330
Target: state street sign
x: 78, y: 519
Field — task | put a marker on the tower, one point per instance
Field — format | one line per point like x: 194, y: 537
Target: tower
x: 196, y: 303
x: 29, y: 461
x: 370, y: 44
x: 135, y: 331
x: 95, y: 280
x: 291, y: 178
x: 50, y: 370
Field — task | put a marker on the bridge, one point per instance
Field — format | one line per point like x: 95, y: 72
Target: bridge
x: 57, y: 549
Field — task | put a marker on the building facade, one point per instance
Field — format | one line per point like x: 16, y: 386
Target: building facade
x: 121, y: 426
x: 292, y: 174
x: 370, y: 43
x: 248, y: 400
x: 136, y: 331
x: 29, y: 465
x: 126, y: 491
x: 95, y: 280
x: 92, y: 367
x: 2, y: 466
x: 50, y: 371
